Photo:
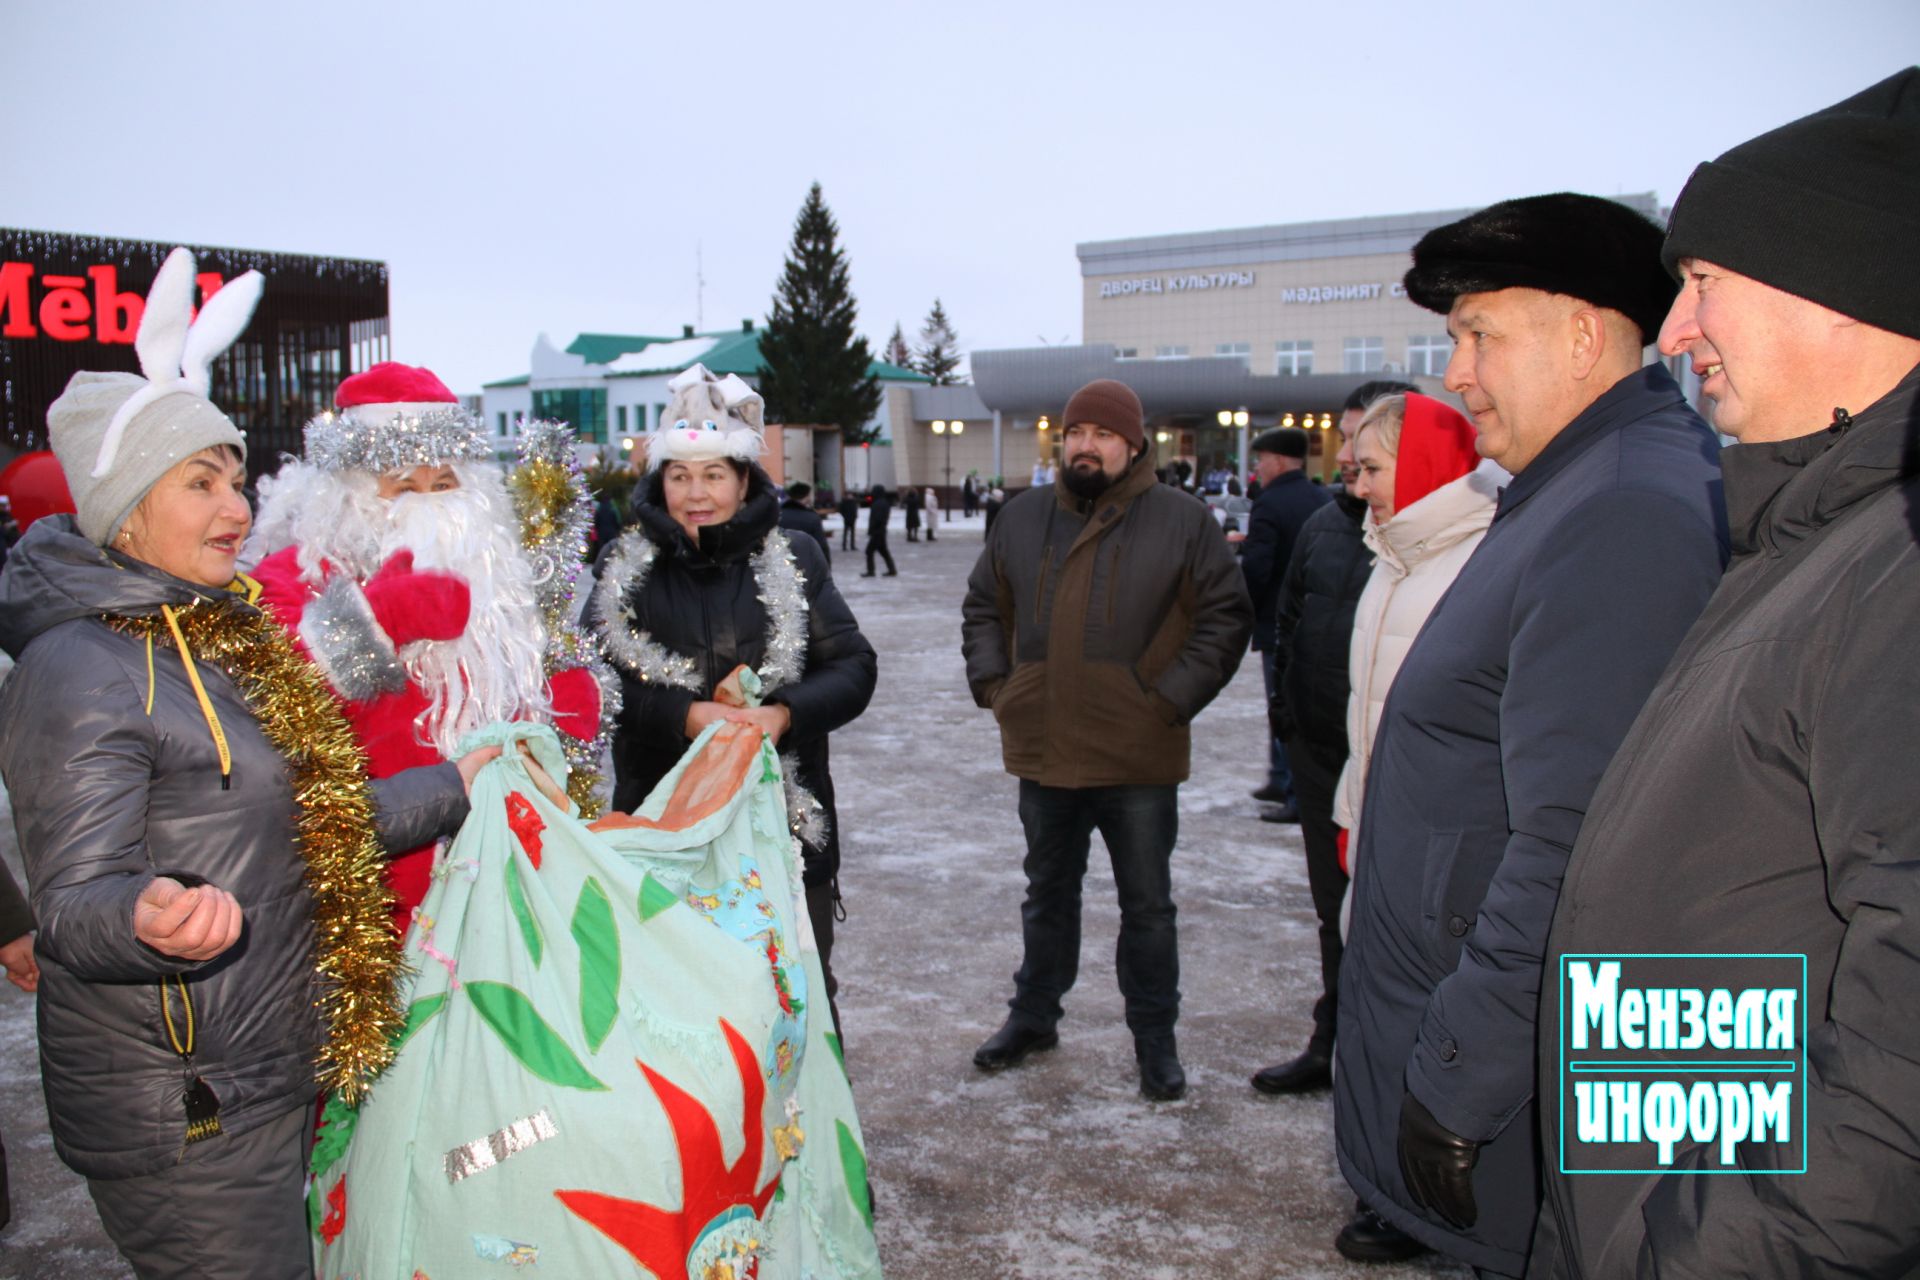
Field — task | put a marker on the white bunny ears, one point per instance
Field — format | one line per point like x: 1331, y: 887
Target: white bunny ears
x: 176, y: 349
x: 709, y: 418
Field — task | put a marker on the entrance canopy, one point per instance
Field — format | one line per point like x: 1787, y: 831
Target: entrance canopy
x: 1030, y: 381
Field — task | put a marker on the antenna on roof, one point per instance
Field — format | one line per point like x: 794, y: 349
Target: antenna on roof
x: 699, y: 289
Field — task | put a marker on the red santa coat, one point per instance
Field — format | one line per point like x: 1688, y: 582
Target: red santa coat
x: 354, y: 631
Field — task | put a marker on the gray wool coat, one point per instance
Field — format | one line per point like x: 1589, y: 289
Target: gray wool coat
x: 105, y: 797
x: 1498, y: 727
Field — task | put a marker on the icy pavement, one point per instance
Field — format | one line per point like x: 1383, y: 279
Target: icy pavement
x: 1058, y: 1167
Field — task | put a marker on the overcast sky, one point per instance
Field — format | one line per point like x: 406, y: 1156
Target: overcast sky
x: 554, y: 165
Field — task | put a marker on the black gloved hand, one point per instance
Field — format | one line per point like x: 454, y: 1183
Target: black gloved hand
x: 1437, y: 1164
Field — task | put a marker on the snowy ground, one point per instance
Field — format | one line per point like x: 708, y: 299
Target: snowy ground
x: 1053, y: 1169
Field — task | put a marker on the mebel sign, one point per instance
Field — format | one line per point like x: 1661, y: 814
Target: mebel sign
x: 69, y: 304
x: 73, y: 302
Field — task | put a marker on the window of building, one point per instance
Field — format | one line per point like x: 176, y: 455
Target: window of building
x: 584, y: 407
x: 1292, y: 358
x: 659, y: 412
x: 1170, y: 353
x: 1363, y: 355
x: 620, y: 418
x: 1241, y: 351
x: 1429, y: 353
x: 1126, y: 353
x: 503, y: 422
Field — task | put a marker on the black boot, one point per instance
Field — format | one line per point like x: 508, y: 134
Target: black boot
x: 1311, y: 1070
x: 1371, y: 1238
x: 1161, y: 1077
x: 1008, y: 1046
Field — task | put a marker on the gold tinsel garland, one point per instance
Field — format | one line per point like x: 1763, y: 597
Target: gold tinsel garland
x: 355, y: 952
x: 556, y: 516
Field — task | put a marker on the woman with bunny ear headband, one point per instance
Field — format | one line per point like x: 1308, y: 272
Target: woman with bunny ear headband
x: 203, y: 851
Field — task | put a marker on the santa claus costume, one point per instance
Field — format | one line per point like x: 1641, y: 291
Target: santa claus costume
x: 421, y: 608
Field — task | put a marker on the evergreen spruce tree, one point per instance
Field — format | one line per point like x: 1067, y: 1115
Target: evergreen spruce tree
x: 814, y: 367
x: 939, y: 354
x: 897, y: 352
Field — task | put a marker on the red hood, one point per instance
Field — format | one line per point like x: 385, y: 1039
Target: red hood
x: 1436, y: 448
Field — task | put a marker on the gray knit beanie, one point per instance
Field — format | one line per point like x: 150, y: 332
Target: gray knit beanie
x: 116, y: 434
x: 159, y: 437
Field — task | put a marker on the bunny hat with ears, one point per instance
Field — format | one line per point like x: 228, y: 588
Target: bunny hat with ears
x: 116, y: 434
x: 709, y: 418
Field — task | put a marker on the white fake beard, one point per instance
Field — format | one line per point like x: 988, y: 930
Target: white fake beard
x: 335, y: 516
x: 493, y: 670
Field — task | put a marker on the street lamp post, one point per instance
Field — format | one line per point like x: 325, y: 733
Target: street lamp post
x: 942, y: 427
x: 1239, y: 419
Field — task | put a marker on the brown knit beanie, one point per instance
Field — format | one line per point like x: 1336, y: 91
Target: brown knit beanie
x: 1110, y: 404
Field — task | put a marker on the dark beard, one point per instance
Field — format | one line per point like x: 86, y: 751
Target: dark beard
x: 1086, y: 484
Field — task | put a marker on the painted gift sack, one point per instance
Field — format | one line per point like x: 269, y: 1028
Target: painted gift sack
x: 617, y: 1048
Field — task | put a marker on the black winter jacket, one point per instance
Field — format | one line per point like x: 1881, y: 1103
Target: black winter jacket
x: 1272, y: 528
x: 797, y: 518
x: 702, y: 603
x: 1499, y: 724
x: 879, y: 510
x: 108, y: 794
x: 1765, y: 801
x: 1314, y: 631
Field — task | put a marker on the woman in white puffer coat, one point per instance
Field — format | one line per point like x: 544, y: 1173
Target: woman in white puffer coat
x: 1430, y: 498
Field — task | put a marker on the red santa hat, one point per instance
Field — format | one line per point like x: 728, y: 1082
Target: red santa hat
x: 394, y: 417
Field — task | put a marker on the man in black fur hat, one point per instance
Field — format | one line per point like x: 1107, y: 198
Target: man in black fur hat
x: 1510, y: 704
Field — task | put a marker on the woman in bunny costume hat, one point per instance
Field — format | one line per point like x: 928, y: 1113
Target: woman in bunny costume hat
x: 199, y: 835
x: 706, y: 581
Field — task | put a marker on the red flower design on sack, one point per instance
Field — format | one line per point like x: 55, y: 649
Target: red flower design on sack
x: 336, y: 1220
x: 526, y: 825
x: 711, y: 1190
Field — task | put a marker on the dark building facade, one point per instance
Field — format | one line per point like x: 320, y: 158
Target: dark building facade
x: 72, y: 302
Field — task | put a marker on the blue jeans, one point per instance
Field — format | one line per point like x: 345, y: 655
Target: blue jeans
x: 1139, y: 825
x: 1279, y: 769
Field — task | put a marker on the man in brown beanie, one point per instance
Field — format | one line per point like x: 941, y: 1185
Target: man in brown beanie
x: 1104, y: 613
x: 1764, y: 803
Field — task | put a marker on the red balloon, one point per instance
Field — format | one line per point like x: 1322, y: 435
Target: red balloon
x: 37, y: 487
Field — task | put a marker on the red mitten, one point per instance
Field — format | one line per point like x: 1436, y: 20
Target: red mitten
x: 1340, y: 848
x: 423, y: 605
x: 576, y: 702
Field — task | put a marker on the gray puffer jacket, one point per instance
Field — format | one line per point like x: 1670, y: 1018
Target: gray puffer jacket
x: 106, y: 795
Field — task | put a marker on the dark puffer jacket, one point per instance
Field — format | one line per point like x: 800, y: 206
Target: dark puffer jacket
x: 1764, y: 801
x: 701, y: 602
x: 107, y: 795
x: 1314, y: 632
x: 1096, y: 631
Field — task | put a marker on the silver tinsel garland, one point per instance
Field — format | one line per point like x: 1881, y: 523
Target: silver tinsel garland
x: 346, y: 442
x: 555, y: 535
x: 626, y: 641
x: 782, y: 590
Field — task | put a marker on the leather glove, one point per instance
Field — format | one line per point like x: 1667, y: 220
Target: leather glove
x: 417, y: 604
x: 1437, y: 1164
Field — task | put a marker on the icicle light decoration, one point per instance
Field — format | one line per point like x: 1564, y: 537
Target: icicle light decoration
x: 354, y: 949
x: 556, y: 514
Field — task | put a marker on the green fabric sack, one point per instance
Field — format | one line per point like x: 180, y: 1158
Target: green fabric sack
x: 617, y: 1051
